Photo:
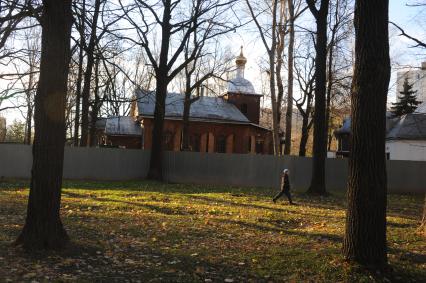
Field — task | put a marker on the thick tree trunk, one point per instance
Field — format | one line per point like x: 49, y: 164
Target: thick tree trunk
x: 162, y: 81
x: 320, y: 138
x: 43, y: 227
x: 156, y: 161
x: 365, y: 237
x: 85, y: 95
x: 289, y: 113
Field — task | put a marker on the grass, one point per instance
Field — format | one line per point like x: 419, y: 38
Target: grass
x: 151, y: 232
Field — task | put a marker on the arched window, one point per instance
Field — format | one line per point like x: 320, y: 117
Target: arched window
x: 221, y: 144
x: 168, y: 141
x: 194, y: 142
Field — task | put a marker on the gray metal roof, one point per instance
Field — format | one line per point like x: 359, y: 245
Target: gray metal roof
x: 409, y: 127
x: 421, y: 109
x: 241, y: 85
x: 124, y: 125
x: 205, y: 108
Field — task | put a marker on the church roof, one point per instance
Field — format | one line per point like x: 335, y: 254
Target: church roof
x: 206, y: 108
x: 119, y: 126
x: 241, y: 85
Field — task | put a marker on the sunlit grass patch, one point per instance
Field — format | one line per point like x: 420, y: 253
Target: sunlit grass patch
x: 150, y: 231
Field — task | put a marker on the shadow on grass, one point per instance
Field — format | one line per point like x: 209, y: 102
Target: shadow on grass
x: 154, y: 208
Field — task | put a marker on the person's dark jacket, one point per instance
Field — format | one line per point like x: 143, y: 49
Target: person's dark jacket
x: 286, y: 185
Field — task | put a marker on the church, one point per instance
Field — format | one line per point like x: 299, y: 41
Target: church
x: 228, y: 123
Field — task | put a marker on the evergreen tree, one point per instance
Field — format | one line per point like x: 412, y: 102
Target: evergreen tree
x: 407, y: 101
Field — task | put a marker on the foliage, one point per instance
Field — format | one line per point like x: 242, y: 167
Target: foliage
x: 189, y: 233
x: 407, y: 101
x: 15, y: 132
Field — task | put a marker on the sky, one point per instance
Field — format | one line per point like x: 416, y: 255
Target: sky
x: 410, y: 18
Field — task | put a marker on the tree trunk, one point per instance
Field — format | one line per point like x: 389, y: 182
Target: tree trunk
x: 320, y: 138
x: 185, y: 121
x: 156, y: 164
x: 328, y: 117
x: 28, y: 122
x: 289, y: 113
x: 162, y: 81
x: 304, y: 137
x: 87, y: 78
x: 276, y: 109
x: 365, y: 236
x: 79, y: 76
x: 43, y: 227
x: 95, y: 108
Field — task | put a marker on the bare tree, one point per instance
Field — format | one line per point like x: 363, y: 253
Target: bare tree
x: 304, y: 69
x: 320, y: 138
x: 295, y: 9
x: 85, y: 94
x: 207, y: 64
x: 174, y: 19
x: 269, y: 37
x: 338, y: 65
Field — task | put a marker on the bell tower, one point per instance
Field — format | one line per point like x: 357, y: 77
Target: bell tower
x: 241, y: 92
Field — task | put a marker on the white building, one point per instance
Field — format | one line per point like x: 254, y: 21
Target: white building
x: 417, y: 78
x: 406, y: 140
x: 405, y: 136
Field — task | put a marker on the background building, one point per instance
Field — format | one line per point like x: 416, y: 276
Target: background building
x: 225, y: 124
x: 417, y: 78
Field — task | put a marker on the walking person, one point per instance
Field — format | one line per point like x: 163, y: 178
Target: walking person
x: 285, y: 186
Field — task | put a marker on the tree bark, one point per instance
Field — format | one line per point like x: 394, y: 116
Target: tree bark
x: 289, y: 113
x: 276, y: 109
x: 43, y: 227
x: 96, y: 105
x: 365, y: 236
x: 185, y: 121
x: 162, y: 81
x: 320, y: 138
x: 85, y: 95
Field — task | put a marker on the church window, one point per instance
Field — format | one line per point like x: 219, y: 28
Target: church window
x: 243, y: 108
x: 221, y: 144
x: 168, y: 141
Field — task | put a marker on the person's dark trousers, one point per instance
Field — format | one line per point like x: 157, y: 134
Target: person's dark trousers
x: 281, y: 193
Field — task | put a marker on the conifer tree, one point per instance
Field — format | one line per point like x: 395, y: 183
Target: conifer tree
x: 407, y: 101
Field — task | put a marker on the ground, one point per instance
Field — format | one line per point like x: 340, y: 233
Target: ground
x: 151, y: 232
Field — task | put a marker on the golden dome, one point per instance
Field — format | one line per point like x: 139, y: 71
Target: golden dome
x: 241, y: 60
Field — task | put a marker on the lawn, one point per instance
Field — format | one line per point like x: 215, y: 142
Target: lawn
x: 151, y: 232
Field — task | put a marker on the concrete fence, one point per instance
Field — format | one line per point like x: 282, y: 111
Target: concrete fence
x: 203, y: 168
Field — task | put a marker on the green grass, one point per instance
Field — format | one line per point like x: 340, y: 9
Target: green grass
x: 151, y: 232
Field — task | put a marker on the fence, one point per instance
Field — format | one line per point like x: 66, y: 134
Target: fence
x: 191, y: 167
